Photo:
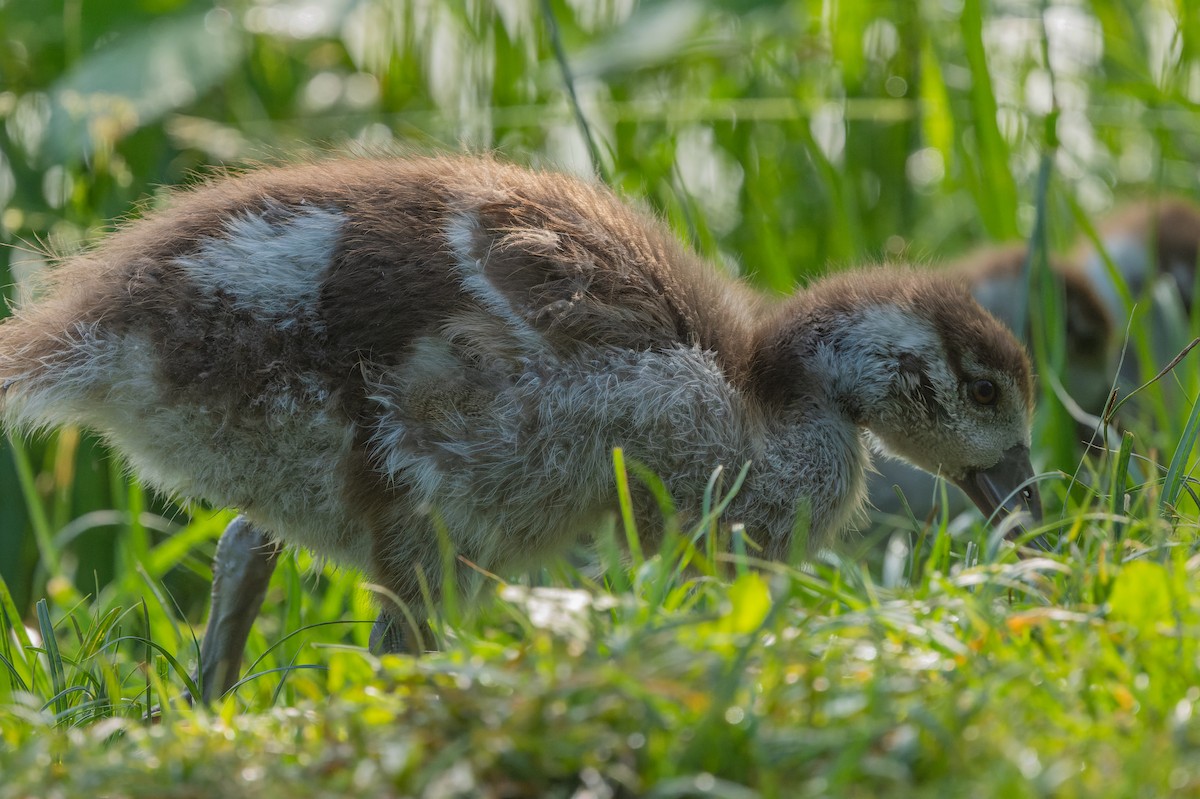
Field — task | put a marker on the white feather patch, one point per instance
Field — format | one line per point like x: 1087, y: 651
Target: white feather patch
x: 460, y: 234
x: 270, y: 268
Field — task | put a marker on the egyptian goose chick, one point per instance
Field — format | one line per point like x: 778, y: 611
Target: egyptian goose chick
x: 995, y: 277
x: 1154, y: 246
x: 357, y: 353
x: 1146, y: 240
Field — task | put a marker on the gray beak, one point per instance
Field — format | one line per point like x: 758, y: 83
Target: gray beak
x: 1006, y: 488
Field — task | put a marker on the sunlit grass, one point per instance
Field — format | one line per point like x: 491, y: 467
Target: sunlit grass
x: 976, y: 673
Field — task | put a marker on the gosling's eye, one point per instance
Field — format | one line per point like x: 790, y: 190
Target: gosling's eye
x: 984, y: 392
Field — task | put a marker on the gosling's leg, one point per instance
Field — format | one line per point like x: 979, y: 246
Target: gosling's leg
x: 387, y: 635
x: 242, y: 568
x: 401, y: 630
x: 410, y: 574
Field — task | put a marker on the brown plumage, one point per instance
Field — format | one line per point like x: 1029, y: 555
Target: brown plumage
x: 354, y: 353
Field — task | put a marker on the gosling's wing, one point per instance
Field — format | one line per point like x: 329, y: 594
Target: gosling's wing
x: 521, y: 258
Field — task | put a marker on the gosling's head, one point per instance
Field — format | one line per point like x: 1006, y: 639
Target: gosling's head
x: 995, y: 276
x: 936, y: 379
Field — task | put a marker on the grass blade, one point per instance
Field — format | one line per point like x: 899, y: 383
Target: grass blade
x: 42, y: 531
x: 1177, y: 470
x: 625, y: 501
x: 50, y: 647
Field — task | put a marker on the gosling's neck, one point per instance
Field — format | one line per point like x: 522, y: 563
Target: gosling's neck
x: 842, y: 366
x: 823, y: 379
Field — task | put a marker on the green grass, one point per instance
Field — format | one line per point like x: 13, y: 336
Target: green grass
x: 781, y: 139
x: 1074, y: 675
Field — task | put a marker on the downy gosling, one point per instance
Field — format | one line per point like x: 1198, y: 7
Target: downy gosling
x: 356, y: 353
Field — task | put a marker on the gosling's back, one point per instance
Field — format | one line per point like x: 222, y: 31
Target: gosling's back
x: 336, y: 348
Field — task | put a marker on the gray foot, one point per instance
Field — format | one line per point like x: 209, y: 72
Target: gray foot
x: 387, y: 636
x: 242, y: 569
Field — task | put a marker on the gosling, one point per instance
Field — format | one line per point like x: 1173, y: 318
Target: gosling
x: 1153, y: 246
x: 1147, y: 242
x: 995, y: 277
x: 356, y: 354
